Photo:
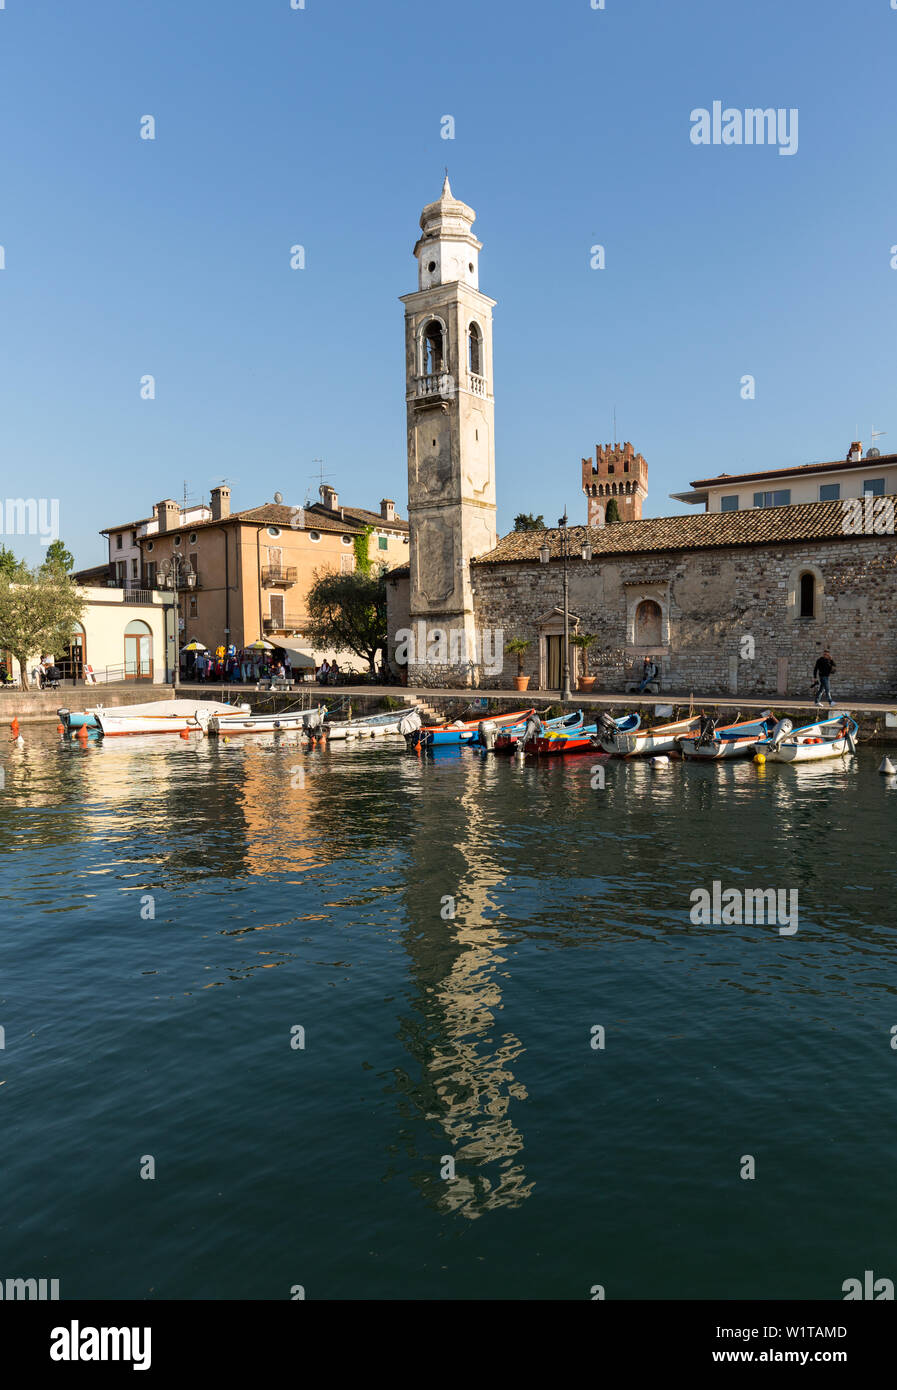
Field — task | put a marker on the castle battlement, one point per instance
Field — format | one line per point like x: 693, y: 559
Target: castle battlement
x: 618, y: 472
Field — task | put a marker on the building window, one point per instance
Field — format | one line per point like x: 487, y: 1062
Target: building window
x: 133, y: 537
x: 119, y: 541
x: 176, y: 541
x: 150, y: 571
x: 274, y: 531
x: 192, y: 537
x: 149, y: 545
x: 474, y: 350
x: 383, y: 542
x: 728, y: 504
x: 314, y: 535
x: 829, y: 492
x: 193, y: 608
x: 133, y: 569
x: 873, y: 487
x: 773, y: 499
x: 346, y: 564
x: 807, y: 596
x: 346, y: 540
x: 434, y: 348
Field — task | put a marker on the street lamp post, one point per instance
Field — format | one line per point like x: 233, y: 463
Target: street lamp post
x: 544, y: 557
x: 175, y: 574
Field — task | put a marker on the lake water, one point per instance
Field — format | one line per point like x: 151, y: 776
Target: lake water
x: 311, y: 889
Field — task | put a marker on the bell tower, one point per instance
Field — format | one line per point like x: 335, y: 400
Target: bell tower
x: 451, y: 452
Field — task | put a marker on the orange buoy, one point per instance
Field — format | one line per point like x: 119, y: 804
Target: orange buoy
x: 185, y: 733
x: 82, y: 732
x: 60, y: 728
x: 14, y: 724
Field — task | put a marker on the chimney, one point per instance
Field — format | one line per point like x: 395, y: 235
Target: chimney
x: 388, y: 509
x: 856, y: 452
x: 220, y: 503
x: 329, y: 497
x: 168, y: 515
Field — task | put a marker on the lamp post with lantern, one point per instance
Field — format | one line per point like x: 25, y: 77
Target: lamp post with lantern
x: 544, y: 558
x: 176, y: 574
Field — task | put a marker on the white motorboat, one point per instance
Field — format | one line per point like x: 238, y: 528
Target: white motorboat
x: 660, y: 739
x: 291, y: 721
x: 374, y: 726
x: 164, y: 716
x: 827, y: 738
x: 737, y: 740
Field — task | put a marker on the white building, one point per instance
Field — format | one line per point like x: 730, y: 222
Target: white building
x: 876, y: 475
x: 117, y: 639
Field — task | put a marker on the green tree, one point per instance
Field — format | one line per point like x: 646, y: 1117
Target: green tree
x: 525, y: 521
x: 38, y: 610
x: 348, y: 612
x: 9, y: 565
x: 58, y: 558
x: 612, y: 513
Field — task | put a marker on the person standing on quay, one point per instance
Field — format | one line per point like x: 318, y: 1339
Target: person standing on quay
x: 822, y: 672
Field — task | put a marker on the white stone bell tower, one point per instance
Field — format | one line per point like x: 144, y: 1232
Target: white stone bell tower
x: 451, y: 448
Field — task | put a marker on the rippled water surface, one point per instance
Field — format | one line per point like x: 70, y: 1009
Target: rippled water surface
x: 312, y: 889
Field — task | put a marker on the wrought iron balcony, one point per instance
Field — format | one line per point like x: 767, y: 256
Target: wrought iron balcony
x: 278, y: 576
x: 293, y: 622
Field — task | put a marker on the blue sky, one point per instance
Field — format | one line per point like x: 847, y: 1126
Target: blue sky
x: 322, y: 127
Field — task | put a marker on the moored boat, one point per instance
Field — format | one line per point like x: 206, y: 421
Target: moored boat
x: 738, y: 740
x: 165, y: 716
x: 660, y: 739
x: 497, y: 740
x: 585, y: 740
x: 289, y: 721
x: 371, y: 726
x: 827, y: 738
x: 461, y: 731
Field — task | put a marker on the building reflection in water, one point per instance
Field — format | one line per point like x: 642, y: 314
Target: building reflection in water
x: 464, y: 1084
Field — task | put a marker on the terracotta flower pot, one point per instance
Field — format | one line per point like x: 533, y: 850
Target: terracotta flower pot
x: 587, y: 682
x: 521, y: 682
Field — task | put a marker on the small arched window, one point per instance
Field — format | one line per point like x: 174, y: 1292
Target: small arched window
x: 807, y: 596
x: 434, y: 348
x: 474, y: 350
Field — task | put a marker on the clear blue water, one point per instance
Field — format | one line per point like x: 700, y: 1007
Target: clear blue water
x: 280, y: 904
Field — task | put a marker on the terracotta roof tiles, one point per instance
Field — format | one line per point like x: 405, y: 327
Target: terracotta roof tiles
x: 807, y: 521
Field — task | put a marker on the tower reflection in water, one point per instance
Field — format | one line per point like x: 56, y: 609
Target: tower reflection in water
x: 463, y: 1084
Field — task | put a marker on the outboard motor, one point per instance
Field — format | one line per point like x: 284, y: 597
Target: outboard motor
x: 487, y: 730
x: 315, y: 722
x: 607, y: 725
x: 532, y: 730
x: 781, y: 730
x: 409, y: 723
x: 849, y: 734
x: 706, y: 729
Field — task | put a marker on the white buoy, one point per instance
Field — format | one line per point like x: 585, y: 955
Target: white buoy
x: 660, y: 758
x: 20, y: 742
x: 887, y: 767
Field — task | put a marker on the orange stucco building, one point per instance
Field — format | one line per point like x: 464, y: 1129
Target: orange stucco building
x: 254, y: 568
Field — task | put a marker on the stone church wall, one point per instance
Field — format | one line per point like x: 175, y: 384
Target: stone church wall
x: 730, y: 617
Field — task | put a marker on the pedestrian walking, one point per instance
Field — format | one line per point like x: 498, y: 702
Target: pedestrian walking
x: 822, y: 673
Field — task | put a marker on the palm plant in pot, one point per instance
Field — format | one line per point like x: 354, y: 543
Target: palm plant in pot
x: 519, y: 645
x: 584, y: 640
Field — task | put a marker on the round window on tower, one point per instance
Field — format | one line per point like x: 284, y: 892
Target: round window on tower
x: 431, y: 267
x: 470, y: 266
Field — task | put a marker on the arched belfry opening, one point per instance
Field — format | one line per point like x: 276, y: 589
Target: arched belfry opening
x: 474, y: 350
x: 434, y: 348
